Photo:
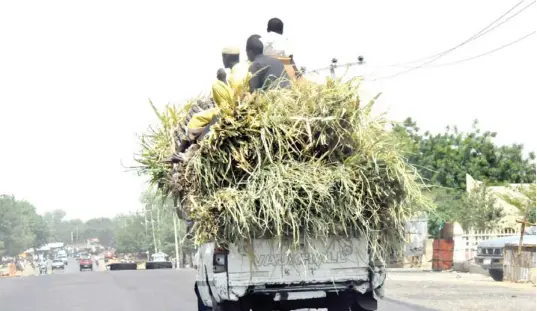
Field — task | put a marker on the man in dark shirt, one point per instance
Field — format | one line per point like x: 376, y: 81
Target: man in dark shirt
x: 267, y: 72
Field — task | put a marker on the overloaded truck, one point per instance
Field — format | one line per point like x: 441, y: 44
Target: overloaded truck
x: 294, y: 196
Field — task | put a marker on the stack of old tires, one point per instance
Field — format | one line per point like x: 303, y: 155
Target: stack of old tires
x: 122, y: 266
x: 150, y: 265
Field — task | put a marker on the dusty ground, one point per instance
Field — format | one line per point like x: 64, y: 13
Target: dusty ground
x: 459, y: 291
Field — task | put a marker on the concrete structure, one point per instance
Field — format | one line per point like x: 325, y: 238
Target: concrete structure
x: 511, y: 212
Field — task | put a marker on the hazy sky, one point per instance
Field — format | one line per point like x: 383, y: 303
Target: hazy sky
x: 76, y: 76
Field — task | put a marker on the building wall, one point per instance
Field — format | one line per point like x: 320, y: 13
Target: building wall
x: 511, y: 212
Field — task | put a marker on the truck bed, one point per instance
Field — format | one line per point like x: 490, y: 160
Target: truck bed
x: 265, y: 263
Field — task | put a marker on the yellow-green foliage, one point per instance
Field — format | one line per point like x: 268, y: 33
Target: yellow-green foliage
x: 303, y: 162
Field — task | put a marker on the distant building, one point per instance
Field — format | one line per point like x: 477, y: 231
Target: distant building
x: 511, y: 212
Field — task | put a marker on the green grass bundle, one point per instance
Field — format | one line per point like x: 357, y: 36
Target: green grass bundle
x: 298, y: 163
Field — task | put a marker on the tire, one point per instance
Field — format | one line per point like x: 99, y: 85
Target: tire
x: 201, y: 305
x: 339, y: 305
x: 496, y: 275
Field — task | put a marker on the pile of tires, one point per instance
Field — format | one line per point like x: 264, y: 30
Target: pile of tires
x: 122, y: 266
x: 158, y: 265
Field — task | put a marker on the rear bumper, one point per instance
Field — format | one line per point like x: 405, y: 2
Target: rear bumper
x: 490, y: 263
x: 372, y: 283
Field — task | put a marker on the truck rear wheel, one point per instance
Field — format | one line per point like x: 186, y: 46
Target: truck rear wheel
x: 226, y: 306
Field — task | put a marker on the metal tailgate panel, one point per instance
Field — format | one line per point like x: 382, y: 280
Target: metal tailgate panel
x: 265, y: 262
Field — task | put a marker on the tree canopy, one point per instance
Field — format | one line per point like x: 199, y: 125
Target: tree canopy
x: 444, y: 159
x: 20, y: 226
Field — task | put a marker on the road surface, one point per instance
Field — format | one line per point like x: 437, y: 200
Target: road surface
x: 139, y: 290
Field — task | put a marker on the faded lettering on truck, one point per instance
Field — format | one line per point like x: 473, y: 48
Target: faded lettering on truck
x: 278, y: 259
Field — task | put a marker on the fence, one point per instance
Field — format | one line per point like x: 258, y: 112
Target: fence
x: 412, y: 253
x: 519, y: 267
x: 466, y: 245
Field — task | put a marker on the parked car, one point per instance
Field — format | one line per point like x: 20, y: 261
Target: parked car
x: 86, y: 263
x: 490, y: 252
x: 57, y: 263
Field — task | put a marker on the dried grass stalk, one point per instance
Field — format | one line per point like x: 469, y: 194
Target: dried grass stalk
x: 304, y: 162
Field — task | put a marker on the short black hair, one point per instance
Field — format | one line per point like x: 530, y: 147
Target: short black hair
x: 254, y: 44
x: 232, y: 57
x: 275, y: 25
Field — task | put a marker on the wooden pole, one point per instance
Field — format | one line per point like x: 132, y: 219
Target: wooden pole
x: 523, y: 227
x: 176, y: 241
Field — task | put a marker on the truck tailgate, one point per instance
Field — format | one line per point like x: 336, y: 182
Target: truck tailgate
x: 317, y: 261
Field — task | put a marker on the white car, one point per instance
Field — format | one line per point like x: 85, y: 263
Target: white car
x: 58, y: 264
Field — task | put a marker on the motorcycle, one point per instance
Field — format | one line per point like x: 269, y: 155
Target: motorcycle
x: 42, y: 269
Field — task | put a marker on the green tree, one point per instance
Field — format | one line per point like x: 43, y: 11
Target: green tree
x: 479, y: 210
x: 2, y: 248
x: 444, y: 159
x: 101, y: 228
x: 447, y: 202
x: 130, y: 234
x: 20, y: 226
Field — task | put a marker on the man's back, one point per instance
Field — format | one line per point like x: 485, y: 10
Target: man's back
x: 265, y: 71
x: 276, y: 45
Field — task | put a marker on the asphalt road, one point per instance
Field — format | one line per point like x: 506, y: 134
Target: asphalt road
x: 141, y: 290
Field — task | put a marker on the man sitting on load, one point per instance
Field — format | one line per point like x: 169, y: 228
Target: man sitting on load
x: 235, y: 72
x: 278, y: 46
x: 267, y: 72
x: 224, y: 90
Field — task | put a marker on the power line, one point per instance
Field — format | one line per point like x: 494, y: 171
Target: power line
x: 482, y: 32
x: 473, y: 57
x: 486, y: 53
x: 452, y: 49
x: 475, y: 36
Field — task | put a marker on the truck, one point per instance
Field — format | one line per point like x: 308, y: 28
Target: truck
x: 158, y: 261
x: 335, y: 273
x: 94, y: 246
x: 490, y: 252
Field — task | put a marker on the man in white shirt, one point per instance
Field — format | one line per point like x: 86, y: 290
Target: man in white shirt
x: 276, y: 45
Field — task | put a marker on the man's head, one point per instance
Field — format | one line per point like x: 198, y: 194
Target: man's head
x: 275, y: 25
x: 254, y: 47
x: 230, y: 56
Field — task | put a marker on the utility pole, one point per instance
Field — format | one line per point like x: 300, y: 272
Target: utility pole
x: 177, y: 263
x: 523, y: 227
x: 153, y: 229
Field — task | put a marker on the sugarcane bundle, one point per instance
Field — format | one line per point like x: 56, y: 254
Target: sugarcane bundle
x: 300, y: 162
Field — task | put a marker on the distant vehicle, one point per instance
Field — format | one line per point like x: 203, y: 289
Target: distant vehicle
x: 61, y: 253
x: 490, y: 252
x: 63, y: 257
x: 82, y: 255
x: 86, y: 263
x: 58, y: 264
x: 108, y: 255
x: 43, y: 267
